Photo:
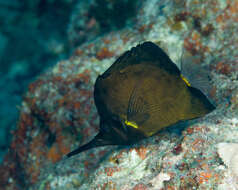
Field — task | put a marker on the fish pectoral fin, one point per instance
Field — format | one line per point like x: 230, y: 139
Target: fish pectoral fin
x: 138, y: 108
x: 138, y: 111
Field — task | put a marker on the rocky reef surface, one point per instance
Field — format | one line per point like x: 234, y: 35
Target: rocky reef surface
x: 58, y: 113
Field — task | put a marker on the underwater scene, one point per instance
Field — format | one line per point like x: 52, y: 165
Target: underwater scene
x: 119, y: 95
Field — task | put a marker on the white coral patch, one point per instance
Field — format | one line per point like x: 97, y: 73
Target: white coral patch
x: 134, y: 166
x: 158, y: 181
x: 229, y: 154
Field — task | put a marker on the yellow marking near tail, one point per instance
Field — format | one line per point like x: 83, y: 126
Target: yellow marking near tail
x: 185, y: 80
x: 132, y: 124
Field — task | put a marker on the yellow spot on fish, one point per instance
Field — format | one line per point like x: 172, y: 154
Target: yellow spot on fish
x: 185, y: 80
x: 132, y: 124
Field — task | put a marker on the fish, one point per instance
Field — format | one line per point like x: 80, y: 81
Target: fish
x: 140, y: 94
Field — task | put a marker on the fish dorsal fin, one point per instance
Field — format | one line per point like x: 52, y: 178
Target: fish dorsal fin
x: 138, y: 108
x: 146, y: 52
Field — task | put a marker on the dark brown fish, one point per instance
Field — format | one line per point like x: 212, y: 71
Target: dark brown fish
x: 140, y: 94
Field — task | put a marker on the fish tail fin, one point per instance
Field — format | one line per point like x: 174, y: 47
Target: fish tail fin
x: 96, y: 142
x: 197, y: 76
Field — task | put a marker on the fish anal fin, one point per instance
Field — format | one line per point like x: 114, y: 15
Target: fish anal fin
x: 200, y: 104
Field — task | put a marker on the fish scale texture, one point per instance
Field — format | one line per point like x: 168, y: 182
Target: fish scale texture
x: 58, y: 112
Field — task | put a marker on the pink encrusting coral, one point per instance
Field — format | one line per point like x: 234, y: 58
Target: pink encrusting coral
x: 58, y: 112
